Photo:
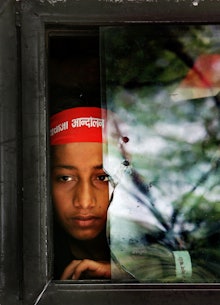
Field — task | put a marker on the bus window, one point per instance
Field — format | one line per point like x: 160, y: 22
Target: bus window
x: 154, y: 71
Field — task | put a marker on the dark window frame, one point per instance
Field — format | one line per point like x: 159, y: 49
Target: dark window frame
x: 30, y: 235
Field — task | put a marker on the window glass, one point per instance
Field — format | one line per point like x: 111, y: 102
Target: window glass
x: 162, y: 85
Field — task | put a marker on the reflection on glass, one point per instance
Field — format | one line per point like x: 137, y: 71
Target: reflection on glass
x: 162, y: 92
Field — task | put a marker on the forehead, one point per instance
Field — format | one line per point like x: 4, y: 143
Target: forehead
x: 77, y: 153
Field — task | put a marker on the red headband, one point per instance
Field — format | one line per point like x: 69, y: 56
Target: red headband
x: 81, y: 124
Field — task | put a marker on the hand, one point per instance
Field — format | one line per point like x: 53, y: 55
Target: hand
x: 86, y: 268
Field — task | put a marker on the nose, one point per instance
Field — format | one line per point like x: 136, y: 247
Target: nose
x: 84, y: 195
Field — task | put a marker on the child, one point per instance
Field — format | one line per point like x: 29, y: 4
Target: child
x: 80, y: 194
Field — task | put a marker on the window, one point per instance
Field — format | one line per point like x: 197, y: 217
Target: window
x: 42, y: 27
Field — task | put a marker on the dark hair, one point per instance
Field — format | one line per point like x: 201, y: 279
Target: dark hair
x: 62, y: 98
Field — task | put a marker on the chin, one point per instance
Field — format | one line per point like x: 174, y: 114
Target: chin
x: 85, y: 235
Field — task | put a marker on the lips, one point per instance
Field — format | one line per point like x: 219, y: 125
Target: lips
x: 84, y: 221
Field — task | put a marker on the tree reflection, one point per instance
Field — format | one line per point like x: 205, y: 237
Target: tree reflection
x: 167, y: 194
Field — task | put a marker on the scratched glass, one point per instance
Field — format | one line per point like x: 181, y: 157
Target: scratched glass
x: 163, y: 155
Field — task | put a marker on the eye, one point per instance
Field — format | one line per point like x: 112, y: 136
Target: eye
x: 65, y: 178
x: 103, y: 178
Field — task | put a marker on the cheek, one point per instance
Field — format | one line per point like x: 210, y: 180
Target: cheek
x: 56, y: 197
x: 59, y: 199
x: 59, y: 193
x: 104, y: 203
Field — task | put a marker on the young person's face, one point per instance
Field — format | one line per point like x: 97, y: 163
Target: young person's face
x: 80, y: 189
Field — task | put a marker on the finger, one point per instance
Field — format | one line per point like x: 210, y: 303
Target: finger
x: 85, y: 265
x: 70, y: 270
x: 92, y: 268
